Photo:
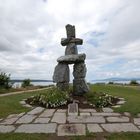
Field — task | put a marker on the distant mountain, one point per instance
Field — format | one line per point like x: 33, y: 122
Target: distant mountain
x: 20, y: 80
x: 118, y: 79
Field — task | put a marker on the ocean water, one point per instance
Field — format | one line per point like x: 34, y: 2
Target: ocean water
x: 117, y: 82
x: 18, y: 84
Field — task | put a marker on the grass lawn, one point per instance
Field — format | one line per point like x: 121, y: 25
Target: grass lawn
x: 2, y: 90
x: 124, y: 136
x: 23, y: 136
x: 10, y: 104
x: 131, y: 95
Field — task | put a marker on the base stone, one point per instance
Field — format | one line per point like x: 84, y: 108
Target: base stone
x: 71, y: 130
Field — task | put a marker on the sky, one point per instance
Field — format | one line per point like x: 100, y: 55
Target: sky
x: 31, y: 31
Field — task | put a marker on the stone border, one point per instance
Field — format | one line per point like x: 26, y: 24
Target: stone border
x: 57, y: 121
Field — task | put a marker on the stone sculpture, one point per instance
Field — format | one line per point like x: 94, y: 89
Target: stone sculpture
x: 61, y: 73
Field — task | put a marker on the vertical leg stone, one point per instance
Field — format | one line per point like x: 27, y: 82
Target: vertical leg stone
x: 61, y: 76
x: 79, y: 70
x: 80, y: 86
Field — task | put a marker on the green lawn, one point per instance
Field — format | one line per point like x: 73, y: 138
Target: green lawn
x: 124, y: 136
x: 131, y: 95
x: 23, y: 136
x: 10, y: 104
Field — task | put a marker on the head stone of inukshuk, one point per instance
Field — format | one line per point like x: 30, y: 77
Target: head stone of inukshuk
x: 61, y: 74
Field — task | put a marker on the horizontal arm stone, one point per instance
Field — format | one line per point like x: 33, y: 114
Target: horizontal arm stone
x: 77, y: 41
x: 71, y: 59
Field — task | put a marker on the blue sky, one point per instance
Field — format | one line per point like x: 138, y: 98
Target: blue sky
x: 31, y: 31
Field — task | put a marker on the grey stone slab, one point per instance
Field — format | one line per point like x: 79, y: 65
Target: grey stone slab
x: 73, y: 58
x: 137, y: 121
x: 121, y: 102
x: 87, y: 110
x: 28, y: 106
x: 6, y: 128
x: 118, y: 119
x: 127, y: 114
x: 122, y: 99
x: 62, y: 110
x: 22, y: 102
x: 71, y: 49
x: 86, y: 119
x: 26, y: 119
x: 120, y: 127
x: 71, y: 130
x: 105, y: 114
x: 37, y: 128
x: 15, y: 115
x: 138, y: 115
x: 61, y: 73
x: 80, y: 86
x: 107, y: 109
x: 85, y: 114
x: 42, y: 120
x: 47, y: 113
x: 79, y: 70
x: 67, y: 41
x: 36, y: 111
x: 116, y: 106
x: 9, y: 121
x: 94, y: 128
x: 73, y: 109
x: 70, y: 31
x: 59, y: 118
x: 1, y: 120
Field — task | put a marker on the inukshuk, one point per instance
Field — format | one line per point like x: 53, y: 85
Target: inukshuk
x: 62, y: 73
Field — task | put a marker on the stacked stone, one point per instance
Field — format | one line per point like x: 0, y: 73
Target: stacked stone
x: 61, y: 73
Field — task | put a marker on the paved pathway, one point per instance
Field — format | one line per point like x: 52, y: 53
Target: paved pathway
x: 18, y: 92
x: 40, y: 120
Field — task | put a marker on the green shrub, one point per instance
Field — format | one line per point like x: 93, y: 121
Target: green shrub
x: 101, y: 99
x: 53, y: 98
x: 5, y: 80
x: 133, y: 82
x: 26, y: 83
x: 111, y: 83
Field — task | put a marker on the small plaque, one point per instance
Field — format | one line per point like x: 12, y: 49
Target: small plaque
x: 73, y: 109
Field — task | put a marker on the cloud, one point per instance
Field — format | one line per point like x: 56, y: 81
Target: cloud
x: 31, y: 31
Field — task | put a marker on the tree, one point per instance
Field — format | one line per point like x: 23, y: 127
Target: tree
x: 133, y: 82
x: 26, y: 83
x: 5, y: 80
